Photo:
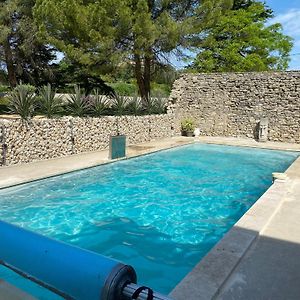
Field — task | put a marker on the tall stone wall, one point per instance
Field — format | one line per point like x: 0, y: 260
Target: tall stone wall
x: 231, y: 104
x: 23, y: 142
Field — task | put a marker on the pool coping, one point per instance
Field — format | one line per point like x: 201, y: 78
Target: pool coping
x: 104, y: 161
x: 209, y: 276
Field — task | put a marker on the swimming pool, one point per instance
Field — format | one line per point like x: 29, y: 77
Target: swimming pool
x: 161, y: 212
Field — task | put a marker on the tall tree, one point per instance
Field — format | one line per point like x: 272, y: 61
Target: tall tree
x: 23, y: 55
x: 241, y: 41
x: 103, y: 33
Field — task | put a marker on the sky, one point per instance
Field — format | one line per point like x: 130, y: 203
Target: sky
x: 287, y: 12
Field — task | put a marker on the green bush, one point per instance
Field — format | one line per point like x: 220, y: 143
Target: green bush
x: 124, y: 89
x: 155, y: 105
x: 188, y: 124
x: 22, y: 101
x: 119, y: 105
x: 134, y: 107
x: 99, y: 103
x: 4, y: 105
x: 160, y: 90
x: 78, y: 104
x: 49, y: 103
x: 4, y: 89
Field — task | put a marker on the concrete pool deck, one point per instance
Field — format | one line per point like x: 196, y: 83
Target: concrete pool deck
x: 259, y: 258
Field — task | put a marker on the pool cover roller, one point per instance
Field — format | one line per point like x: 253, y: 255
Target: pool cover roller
x: 69, y: 271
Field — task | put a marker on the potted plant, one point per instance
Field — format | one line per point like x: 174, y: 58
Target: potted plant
x: 187, y: 127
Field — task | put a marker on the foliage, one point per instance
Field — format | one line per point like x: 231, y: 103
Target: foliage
x: 99, y: 103
x: 160, y: 89
x: 124, y: 88
x: 69, y: 72
x: 188, y: 125
x: 241, y: 41
x: 104, y: 34
x: 78, y: 103
x: 22, y: 101
x: 155, y: 105
x: 21, y: 53
x: 4, y: 88
x: 135, y: 106
x: 4, y: 105
x: 119, y: 104
x: 49, y: 103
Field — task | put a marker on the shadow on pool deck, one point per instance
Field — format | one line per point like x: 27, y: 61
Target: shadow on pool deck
x: 269, y: 270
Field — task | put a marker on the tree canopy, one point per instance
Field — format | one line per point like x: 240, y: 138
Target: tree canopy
x: 25, y: 57
x: 134, y: 41
x: 102, y: 34
x: 241, y: 41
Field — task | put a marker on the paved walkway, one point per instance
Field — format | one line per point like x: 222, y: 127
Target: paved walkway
x: 271, y: 267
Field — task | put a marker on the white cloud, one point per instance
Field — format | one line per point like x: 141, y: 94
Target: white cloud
x: 290, y: 22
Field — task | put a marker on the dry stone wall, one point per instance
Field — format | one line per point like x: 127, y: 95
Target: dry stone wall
x: 231, y: 104
x: 222, y: 104
x: 23, y: 142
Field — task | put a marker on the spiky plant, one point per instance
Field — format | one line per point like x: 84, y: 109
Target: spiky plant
x: 78, y: 103
x: 49, y: 103
x: 99, y: 103
x: 159, y: 105
x: 155, y: 105
x: 135, y: 106
x: 119, y: 104
x: 22, y: 101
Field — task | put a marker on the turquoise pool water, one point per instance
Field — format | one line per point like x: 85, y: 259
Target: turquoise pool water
x: 161, y: 212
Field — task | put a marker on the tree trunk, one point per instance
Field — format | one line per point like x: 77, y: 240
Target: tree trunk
x: 143, y: 77
x: 138, y: 68
x: 9, y: 63
x: 147, y: 75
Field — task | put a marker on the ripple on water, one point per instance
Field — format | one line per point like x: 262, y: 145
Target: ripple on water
x: 160, y: 213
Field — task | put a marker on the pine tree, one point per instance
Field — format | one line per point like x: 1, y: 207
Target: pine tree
x: 24, y: 56
x: 104, y: 33
x: 241, y: 41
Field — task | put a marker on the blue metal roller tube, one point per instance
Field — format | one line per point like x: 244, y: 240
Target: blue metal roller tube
x: 69, y: 271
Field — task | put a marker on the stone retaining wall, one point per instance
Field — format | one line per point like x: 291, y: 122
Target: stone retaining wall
x: 231, y: 104
x: 50, y: 138
x: 222, y: 104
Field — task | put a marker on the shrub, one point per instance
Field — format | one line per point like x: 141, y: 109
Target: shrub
x: 119, y: 104
x: 135, y: 106
x: 188, y: 125
x: 78, y: 103
x: 159, y: 105
x: 99, y: 103
x: 4, y: 89
x: 22, y: 101
x: 123, y: 88
x: 50, y: 105
x: 155, y: 105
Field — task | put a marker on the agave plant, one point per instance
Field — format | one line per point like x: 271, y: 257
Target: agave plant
x: 78, y: 103
x: 159, y: 105
x: 99, y: 103
x: 120, y: 104
x: 155, y: 105
x: 135, y: 106
x: 49, y: 103
x: 22, y: 101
